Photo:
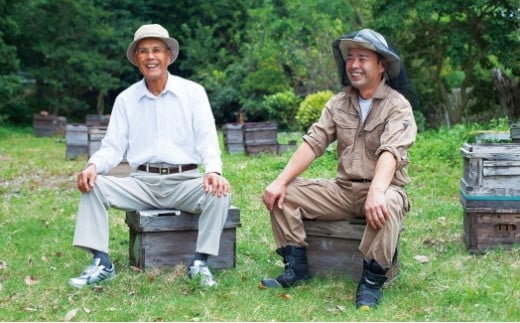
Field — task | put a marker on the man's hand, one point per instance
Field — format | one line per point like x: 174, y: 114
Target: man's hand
x: 275, y: 192
x: 376, y: 212
x: 216, y: 184
x: 87, y: 178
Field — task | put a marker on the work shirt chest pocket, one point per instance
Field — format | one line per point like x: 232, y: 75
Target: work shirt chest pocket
x: 373, y: 133
x: 347, y: 125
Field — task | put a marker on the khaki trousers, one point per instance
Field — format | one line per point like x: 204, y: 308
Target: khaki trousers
x: 326, y: 200
x: 145, y: 191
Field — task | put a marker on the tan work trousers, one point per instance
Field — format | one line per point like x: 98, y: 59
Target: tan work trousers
x: 326, y: 200
x: 145, y: 191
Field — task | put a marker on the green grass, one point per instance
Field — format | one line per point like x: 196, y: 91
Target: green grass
x: 37, y: 219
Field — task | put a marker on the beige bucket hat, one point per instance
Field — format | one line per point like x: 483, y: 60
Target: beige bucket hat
x: 153, y: 31
x: 372, y: 40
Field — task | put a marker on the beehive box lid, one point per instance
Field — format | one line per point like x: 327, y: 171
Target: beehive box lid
x: 508, y: 151
x: 172, y: 220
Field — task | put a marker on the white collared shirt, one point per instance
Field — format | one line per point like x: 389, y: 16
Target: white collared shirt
x: 175, y: 127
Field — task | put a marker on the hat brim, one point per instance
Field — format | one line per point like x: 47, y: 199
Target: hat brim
x: 171, y: 43
x: 393, y: 61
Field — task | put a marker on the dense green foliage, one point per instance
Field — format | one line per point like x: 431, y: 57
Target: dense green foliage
x: 451, y: 48
x: 310, y: 108
x: 282, y: 107
x: 439, y: 280
x: 68, y: 56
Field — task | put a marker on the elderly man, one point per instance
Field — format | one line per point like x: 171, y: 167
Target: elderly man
x: 165, y: 127
x: 374, y: 127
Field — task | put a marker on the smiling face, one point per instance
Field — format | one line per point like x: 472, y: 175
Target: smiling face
x: 364, y: 70
x: 152, y: 58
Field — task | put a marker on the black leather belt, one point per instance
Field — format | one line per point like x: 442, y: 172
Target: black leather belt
x: 361, y: 180
x: 166, y: 170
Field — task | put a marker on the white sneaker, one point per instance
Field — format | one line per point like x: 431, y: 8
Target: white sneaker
x: 93, y: 274
x: 200, y: 268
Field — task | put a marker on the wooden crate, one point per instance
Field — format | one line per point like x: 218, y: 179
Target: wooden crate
x: 490, y: 196
x: 334, y: 249
x: 233, y: 138
x: 96, y: 120
x: 95, y: 135
x: 491, y: 169
x: 161, y: 238
x: 76, y: 139
x: 491, y: 222
x: 260, y: 137
x: 47, y: 125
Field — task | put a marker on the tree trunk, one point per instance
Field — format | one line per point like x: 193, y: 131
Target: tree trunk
x: 509, y: 90
x: 100, y: 104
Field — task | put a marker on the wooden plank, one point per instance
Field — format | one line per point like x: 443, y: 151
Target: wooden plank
x: 501, y: 189
x: 501, y: 167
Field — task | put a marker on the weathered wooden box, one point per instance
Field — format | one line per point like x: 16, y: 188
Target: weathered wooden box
x: 233, y: 138
x: 161, y: 238
x: 260, y: 137
x: 491, y: 169
x: 490, y: 195
x: 96, y: 120
x: 47, y: 125
x: 95, y: 136
x: 491, y: 222
x: 334, y: 249
x: 76, y: 139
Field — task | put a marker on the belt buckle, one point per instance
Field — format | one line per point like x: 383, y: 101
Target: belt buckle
x: 164, y: 170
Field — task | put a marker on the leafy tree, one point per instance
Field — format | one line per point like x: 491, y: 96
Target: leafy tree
x: 447, y: 43
x: 11, y: 86
x: 210, y: 35
x: 288, y: 46
x: 75, y: 50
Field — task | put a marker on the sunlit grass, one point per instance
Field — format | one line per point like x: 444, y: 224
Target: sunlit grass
x: 37, y: 219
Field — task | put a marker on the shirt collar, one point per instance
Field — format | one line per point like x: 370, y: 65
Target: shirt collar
x: 380, y: 93
x: 170, y: 87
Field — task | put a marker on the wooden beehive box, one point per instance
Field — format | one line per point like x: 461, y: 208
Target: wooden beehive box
x: 233, y: 138
x: 48, y: 125
x: 161, y: 238
x: 76, y: 139
x: 334, y: 249
x: 95, y: 135
x: 96, y: 120
x: 491, y: 169
x: 260, y: 137
x: 490, y: 222
x: 490, y: 195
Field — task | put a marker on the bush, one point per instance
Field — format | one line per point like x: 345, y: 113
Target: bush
x: 282, y: 107
x: 310, y: 108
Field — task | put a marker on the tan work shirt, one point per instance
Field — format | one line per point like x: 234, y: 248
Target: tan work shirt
x: 389, y: 126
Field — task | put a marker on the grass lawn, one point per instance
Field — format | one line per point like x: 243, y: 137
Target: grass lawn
x: 439, y: 280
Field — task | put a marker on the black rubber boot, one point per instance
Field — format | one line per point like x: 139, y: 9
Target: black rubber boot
x: 296, y: 268
x: 369, y: 294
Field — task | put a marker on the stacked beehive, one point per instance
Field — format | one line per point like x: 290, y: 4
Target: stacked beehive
x: 490, y: 195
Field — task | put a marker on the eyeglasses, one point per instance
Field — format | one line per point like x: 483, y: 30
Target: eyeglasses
x: 143, y: 51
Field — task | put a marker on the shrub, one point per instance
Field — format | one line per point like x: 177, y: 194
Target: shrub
x: 310, y: 108
x: 282, y: 107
